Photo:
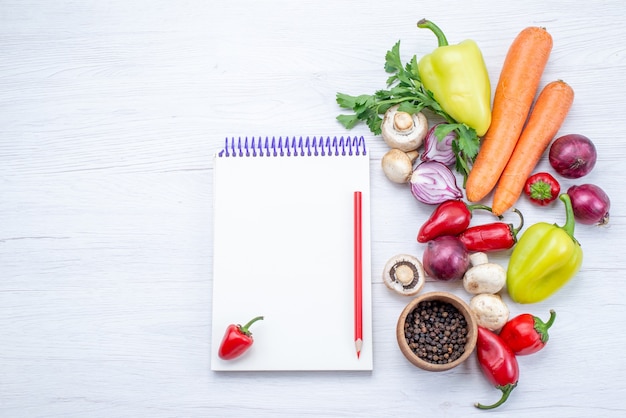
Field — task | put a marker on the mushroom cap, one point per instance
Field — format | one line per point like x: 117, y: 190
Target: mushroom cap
x: 404, y: 274
x: 478, y: 258
x: 485, y: 278
x: 490, y: 310
x: 398, y: 165
x: 402, y: 130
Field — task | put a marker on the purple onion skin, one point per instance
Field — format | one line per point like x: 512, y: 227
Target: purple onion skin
x: 433, y: 183
x: 436, y: 150
x: 446, y: 258
x: 590, y: 203
x: 572, y: 156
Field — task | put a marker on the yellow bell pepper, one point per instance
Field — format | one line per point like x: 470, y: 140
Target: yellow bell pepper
x: 545, y: 258
x: 458, y: 78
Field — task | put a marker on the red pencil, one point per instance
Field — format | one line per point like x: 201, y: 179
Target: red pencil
x: 358, y: 275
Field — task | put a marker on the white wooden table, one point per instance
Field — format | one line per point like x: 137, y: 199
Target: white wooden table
x: 110, y: 113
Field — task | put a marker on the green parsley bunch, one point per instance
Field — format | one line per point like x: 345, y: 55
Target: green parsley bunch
x: 405, y: 88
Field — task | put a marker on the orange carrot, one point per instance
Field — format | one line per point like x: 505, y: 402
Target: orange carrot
x: 516, y: 89
x: 545, y: 120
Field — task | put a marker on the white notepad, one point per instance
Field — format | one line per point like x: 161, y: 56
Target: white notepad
x: 284, y: 249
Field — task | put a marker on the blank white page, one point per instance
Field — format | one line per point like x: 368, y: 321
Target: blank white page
x: 284, y: 249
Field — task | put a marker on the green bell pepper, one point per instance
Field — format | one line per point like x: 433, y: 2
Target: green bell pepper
x: 545, y: 258
x: 458, y: 79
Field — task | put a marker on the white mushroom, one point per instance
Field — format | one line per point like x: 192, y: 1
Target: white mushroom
x: 398, y: 165
x: 404, y: 274
x: 490, y: 310
x: 484, y: 278
x: 402, y: 130
x: 478, y: 258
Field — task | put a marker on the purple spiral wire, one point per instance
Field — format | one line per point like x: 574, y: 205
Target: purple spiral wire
x: 285, y: 146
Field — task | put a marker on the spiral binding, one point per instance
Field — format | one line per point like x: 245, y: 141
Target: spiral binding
x: 279, y: 147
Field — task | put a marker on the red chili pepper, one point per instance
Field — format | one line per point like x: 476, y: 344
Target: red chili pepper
x: 237, y: 340
x: 449, y: 218
x: 527, y: 334
x: 491, y: 237
x: 498, y: 363
x: 542, y: 188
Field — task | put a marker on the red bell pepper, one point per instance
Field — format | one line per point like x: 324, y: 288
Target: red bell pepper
x: 491, y: 237
x: 498, y: 363
x: 526, y: 334
x: 237, y: 340
x: 449, y: 218
x: 542, y: 188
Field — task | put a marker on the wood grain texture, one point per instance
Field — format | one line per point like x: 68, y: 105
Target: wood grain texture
x: 110, y: 113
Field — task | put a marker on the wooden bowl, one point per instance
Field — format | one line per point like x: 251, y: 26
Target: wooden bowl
x: 440, y: 362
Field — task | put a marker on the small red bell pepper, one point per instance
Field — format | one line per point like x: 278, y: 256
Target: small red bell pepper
x: 542, y: 188
x: 237, y: 340
x: 498, y: 363
x: 526, y: 334
x: 449, y: 218
x: 491, y: 237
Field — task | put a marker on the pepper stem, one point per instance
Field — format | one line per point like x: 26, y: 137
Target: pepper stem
x: 483, y: 207
x: 570, y: 221
x: 542, y: 327
x: 441, y: 38
x: 540, y: 190
x: 478, y: 206
x: 521, y: 223
x: 244, y: 329
x: 506, y: 391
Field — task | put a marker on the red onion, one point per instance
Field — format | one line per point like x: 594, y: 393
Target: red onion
x: 440, y: 150
x: 446, y: 258
x: 433, y: 183
x: 590, y: 204
x: 572, y: 156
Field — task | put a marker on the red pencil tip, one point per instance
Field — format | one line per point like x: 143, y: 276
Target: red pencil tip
x: 358, y: 343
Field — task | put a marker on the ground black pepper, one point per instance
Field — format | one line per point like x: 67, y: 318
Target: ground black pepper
x: 436, y: 331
